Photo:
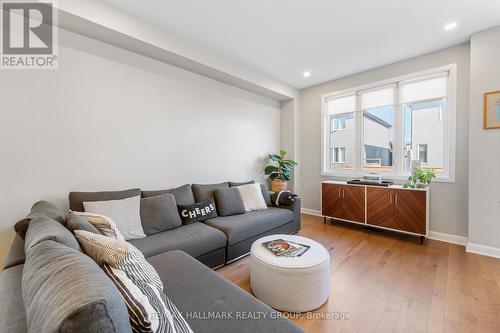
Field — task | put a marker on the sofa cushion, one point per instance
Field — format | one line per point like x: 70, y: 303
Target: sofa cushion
x: 196, y: 289
x: 16, y: 255
x: 126, y: 213
x: 40, y: 208
x: 241, y: 227
x: 197, y: 212
x: 204, y: 192
x: 228, y: 201
x: 159, y: 213
x: 77, y: 222
x: 196, y: 239
x: 44, y: 228
x: 263, y: 187
x: 12, y: 313
x: 65, y: 291
x: 183, y: 194
x: 76, y: 199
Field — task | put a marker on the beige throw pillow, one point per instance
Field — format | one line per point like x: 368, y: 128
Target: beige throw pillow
x: 149, y: 308
x: 104, y: 224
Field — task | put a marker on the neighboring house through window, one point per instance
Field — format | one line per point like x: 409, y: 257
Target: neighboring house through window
x: 422, y: 153
x: 339, y: 155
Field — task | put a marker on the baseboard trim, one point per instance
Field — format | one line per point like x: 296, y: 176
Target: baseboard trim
x: 310, y: 212
x: 448, y: 238
x: 439, y: 236
x: 484, y: 250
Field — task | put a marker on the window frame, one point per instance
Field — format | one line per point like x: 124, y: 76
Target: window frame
x: 398, y: 145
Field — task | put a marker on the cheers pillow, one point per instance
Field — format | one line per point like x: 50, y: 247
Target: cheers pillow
x: 197, y: 212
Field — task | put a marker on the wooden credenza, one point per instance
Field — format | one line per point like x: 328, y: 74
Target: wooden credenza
x: 394, y: 208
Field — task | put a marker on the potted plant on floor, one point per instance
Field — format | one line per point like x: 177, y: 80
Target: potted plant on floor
x: 279, y: 172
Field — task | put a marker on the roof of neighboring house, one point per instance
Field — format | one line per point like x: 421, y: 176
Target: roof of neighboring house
x: 377, y: 119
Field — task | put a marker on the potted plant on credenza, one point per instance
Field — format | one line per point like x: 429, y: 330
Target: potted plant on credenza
x: 279, y: 171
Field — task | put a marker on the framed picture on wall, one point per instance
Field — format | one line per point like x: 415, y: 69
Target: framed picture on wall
x: 492, y: 109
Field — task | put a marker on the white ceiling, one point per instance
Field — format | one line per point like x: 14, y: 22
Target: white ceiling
x: 330, y: 38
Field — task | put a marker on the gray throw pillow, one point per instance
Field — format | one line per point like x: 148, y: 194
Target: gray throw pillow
x: 44, y: 228
x: 76, y: 222
x: 197, y: 212
x: 204, y: 192
x: 40, y: 208
x: 228, y: 201
x: 76, y: 199
x: 66, y: 291
x: 183, y: 194
x: 159, y: 214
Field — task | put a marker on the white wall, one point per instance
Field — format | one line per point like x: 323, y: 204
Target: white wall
x: 111, y: 119
x: 484, y: 147
x: 448, y: 200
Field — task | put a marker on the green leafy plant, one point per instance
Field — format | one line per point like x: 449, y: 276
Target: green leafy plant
x: 283, y: 167
x: 420, y: 178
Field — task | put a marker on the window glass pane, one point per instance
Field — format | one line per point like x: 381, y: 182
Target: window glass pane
x: 341, y: 141
x: 377, y: 98
x: 422, y: 153
x: 423, y: 90
x: 424, y: 135
x: 342, y: 105
x: 378, y: 139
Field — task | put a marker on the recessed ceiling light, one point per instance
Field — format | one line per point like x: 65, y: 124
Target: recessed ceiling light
x: 306, y: 74
x: 450, y: 26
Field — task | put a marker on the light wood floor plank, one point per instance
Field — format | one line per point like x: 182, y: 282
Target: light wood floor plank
x: 387, y: 282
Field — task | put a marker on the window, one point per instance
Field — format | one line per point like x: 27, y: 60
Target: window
x: 340, y: 133
x: 339, y: 155
x: 389, y: 126
x: 339, y: 123
x: 424, y: 128
x: 422, y: 153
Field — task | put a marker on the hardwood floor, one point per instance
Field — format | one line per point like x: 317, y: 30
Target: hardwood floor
x: 387, y: 282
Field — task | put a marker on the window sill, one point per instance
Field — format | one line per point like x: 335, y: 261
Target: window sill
x: 397, y: 178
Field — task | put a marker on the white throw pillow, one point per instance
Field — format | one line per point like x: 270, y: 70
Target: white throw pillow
x: 126, y: 213
x: 251, y: 195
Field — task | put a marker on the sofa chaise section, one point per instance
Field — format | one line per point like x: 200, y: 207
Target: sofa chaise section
x: 198, y: 292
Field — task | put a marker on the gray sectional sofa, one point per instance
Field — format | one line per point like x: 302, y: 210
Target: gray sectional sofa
x: 177, y: 254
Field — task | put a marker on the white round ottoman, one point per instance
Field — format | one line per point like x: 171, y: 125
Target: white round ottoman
x: 293, y: 284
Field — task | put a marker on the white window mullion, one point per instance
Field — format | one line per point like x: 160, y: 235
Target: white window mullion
x: 399, y: 143
x: 358, y: 135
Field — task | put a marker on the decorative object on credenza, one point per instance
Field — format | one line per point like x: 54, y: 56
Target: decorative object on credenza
x: 492, y: 110
x: 279, y: 174
x: 383, y: 183
x: 420, y: 178
x: 283, y: 198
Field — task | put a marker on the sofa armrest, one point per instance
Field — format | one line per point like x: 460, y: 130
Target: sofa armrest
x: 295, y: 208
x: 16, y: 255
